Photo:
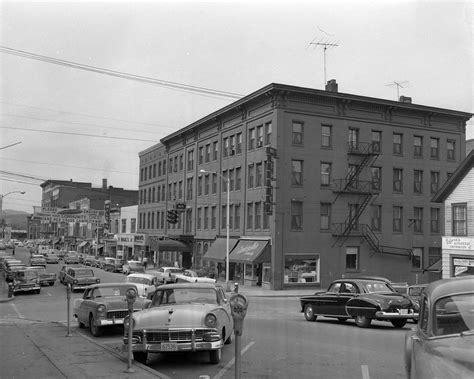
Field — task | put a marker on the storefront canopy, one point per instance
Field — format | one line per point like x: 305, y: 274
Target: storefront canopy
x: 251, y: 251
x: 169, y: 245
x: 435, y: 267
x: 83, y: 243
x: 218, y: 250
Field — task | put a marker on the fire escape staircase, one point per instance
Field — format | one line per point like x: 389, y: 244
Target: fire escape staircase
x: 373, y: 242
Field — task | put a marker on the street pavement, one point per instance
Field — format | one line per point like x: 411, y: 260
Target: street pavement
x: 42, y: 349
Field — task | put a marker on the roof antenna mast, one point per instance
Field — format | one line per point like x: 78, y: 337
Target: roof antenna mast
x: 399, y: 84
x: 324, y: 44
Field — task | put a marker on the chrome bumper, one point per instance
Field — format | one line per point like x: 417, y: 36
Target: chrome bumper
x: 395, y: 315
x: 115, y: 321
x: 181, y: 346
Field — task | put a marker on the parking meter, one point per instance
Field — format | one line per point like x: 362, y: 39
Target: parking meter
x: 131, y: 296
x: 68, y: 300
x: 238, y: 308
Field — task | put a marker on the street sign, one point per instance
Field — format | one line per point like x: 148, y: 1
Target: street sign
x: 180, y: 206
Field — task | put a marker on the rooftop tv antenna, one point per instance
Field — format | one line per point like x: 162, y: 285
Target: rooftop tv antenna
x: 399, y: 84
x: 324, y: 44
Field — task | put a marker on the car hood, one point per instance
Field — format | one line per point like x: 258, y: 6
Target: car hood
x: 173, y: 316
x: 119, y: 302
x: 141, y: 288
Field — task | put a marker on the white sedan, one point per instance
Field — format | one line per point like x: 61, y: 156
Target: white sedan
x: 145, y: 283
x: 190, y: 276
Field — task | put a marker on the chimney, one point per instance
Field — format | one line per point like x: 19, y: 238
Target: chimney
x: 331, y: 85
x: 405, y: 99
x: 104, y: 183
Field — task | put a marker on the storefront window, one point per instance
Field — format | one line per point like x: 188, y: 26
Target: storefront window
x: 301, y: 269
x: 266, y: 272
x: 463, y: 266
x: 251, y: 271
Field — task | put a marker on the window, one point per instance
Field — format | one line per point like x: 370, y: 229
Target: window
x: 190, y: 160
x: 164, y: 167
x: 435, y: 214
x: 180, y: 189
x: 231, y: 179
x: 225, y: 150
x: 237, y: 216
x: 434, y: 151
x: 268, y: 133
x: 199, y: 218
x: 353, y: 138
x: 325, y: 215
x: 434, y: 255
x: 301, y: 269
x: 397, y: 144
x: 296, y: 172
x: 397, y: 219
x: 418, y: 181
x: 353, y: 214
x: 434, y: 182
x: 376, y: 218
x: 238, y: 143
x: 238, y: 178
x: 159, y: 168
x: 249, y: 215
x: 232, y: 145
x: 258, y: 215
x: 199, y: 189
x: 325, y: 174
x: 297, y: 135
x: 124, y: 225
x: 213, y: 217
x: 376, y: 173
x: 418, y: 220
x: 154, y: 170
x: 260, y: 136
x: 251, y: 175
x: 208, y: 152
x: 416, y: 258
x: 133, y: 225
x: 181, y: 162
x: 352, y: 258
x: 214, y: 183
x: 215, y: 150
x: 459, y: 219
x: 231, y: 216
x: 376, y: 141
x: 189, y: 188
x: 326, y: 136
x: 397, y: 180
x: 175, y: 164
x: 206, y: 217
x: 417, y: 146
x: 296, y: 215
x: 251, y: 144
x: 451, y: 150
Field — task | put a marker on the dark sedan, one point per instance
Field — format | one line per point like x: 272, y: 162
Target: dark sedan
x: 364, y: 299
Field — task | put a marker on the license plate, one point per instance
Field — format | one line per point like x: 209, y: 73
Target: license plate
x: 403, y: 311
x: 169, y: 346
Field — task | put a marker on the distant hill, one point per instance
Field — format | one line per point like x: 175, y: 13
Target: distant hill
x: 15, y: 219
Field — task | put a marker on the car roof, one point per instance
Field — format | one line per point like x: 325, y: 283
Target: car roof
x: 113, y: 284
x: 451, y: 286
x: 141, y: 275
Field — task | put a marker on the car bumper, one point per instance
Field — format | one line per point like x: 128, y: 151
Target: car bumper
x: 174, y: 347
x: 395, y: 315
x: 26, y: 289
x: 115, y: 321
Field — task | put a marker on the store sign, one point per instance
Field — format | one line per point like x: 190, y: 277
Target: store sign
x: 139, y: 239
x: 458, y: 243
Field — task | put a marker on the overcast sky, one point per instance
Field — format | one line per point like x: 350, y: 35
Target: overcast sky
x: 57, y: 111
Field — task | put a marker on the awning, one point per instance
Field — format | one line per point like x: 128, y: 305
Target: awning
x: 218, y: 250
x: 98, y: 247
x: 83, y: 243
x: 435, y: 267
x: 251, y: 251
x: 169, y: 245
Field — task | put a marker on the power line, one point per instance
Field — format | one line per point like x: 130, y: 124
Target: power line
x: 13, y: 144
x: 22, y: 175
x: 119, y: 74
x: 19, y: 181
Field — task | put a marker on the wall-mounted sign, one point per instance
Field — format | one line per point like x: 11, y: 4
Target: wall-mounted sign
x: 458, y: 243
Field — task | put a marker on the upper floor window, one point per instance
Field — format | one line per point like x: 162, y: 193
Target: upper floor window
x: 133, y: 225
x: 418, y: 220
x: 451, y: 150
x: 397, y: 180
x: 417, y: 257
x: 434, y: 182
x: 215, y: 150
x: 124, y: 225
x: 231, y: 145
x: 251, y: 144
x: 376, y: 141
x: 376, y: 173
x: 353, y: 138
x: 238, y: 143
x: 258, y: 174
x: 296, y: 172
x: 238, y: 178
x: 260, y: 136
x: 376, y: 217
x: 434, y: 151
x: 296, y: 215
x: 435, y: 219
x: 459, y: 213
x: 208, y: 152
x: 326, y: 136
x: 297, y: 133
x: 251, y: 175
x: 397, y: 218
x: 325, y: 174
x: 417, y: 146
x: 268, y: 133
x: 325, y: 215
x: 181, y: 162
x: 214, y: 183
x: 418, y: 181
x: 225, y: 150
x: 190, y: 160
x: 397, y: 143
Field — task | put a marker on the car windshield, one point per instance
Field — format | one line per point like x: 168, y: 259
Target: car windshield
x: 84, y: 272
x: 377, y: 286
x: 135, y: 264
x: 184, y: 295
x: 454, y: 314
x: 138, y: 280
x: 111, y: 291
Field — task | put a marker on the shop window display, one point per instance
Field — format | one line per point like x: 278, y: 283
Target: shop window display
x: 301, y: 269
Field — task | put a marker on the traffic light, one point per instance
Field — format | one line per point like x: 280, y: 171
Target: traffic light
x: 172, y: 216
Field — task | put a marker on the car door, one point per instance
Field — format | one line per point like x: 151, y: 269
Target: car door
x: 325, y: 303
x: 348, y: 291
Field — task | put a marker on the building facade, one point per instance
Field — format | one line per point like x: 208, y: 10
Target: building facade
x: 458, y: 239
x: 317, y: 185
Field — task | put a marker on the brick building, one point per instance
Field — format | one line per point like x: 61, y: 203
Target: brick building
x: 322, y: 184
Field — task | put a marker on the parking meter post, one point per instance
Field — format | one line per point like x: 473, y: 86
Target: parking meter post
x: 238, y: 307
x: 10, y: 289
x: 131, y: 297
x: 68, y: 297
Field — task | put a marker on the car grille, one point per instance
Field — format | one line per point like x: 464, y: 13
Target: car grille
x: 181, y: 335
x: 119, y: 313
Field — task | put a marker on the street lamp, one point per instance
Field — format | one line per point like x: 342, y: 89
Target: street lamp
x: 227, y: 180
x: 1, y: 203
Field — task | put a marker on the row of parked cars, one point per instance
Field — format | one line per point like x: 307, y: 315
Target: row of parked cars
x: 20, y: 277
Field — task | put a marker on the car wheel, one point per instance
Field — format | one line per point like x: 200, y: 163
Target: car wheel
x: 362, y: 321
x: 309, y: 313
x: 96, y: 331
x: 215, y: 356
x: 229, y: 339
x: 398, y: 323
x: 80, y: 324
x: 140, y: 356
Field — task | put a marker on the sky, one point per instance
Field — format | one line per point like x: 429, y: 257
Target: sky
x: 60, y: 122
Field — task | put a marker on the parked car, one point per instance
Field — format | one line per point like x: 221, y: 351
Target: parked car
x: 51, y: 258
x: 11, y: 268
x: 145, y: 283
x: 71, y: 258
x: 191, y: 276
x: 62, y: 253
x: 113, y: 264
x: 182, y: 317
x: 364, y: 299
x: 3, y: 246
x: 166, y: 274
x: 89, y: 260
x: 45, y: 278
x: 80, y: 278
x: 442, y: 345
x: 133, y: 266
x: 26, y: 280
x: 62, y: 273
x: 103, y: 305
x: 37, y: 260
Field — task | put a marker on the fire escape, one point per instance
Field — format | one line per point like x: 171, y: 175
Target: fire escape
x: 366, y: 190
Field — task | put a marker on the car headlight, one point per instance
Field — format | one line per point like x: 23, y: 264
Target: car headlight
x: 97, y: 280
x: 101, y: 308
x: 210, y: 320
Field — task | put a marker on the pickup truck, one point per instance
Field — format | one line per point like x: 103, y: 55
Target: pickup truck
x: 45, y: 278
x: 79, y: 278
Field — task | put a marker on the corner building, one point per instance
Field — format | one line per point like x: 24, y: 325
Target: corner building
x: 322, y: 184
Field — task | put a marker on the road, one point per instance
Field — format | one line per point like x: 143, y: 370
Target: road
x: 277, y: 341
